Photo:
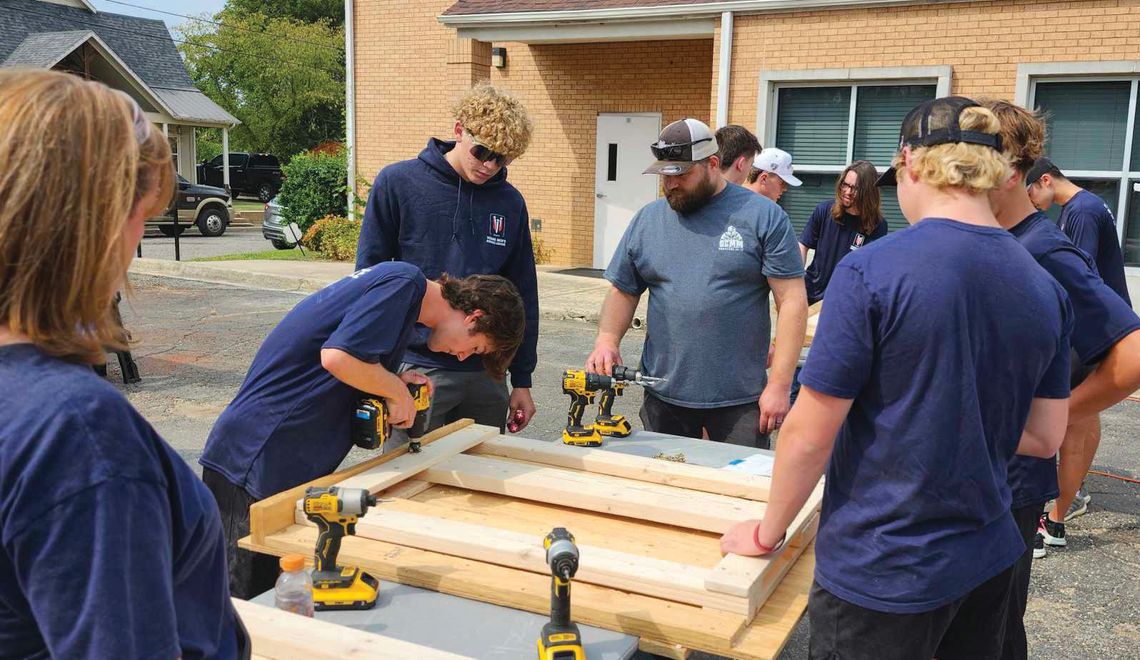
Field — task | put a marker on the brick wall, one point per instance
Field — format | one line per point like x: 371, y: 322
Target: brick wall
x: 410, y: 69
x: 983, y: 42
x: 565, y: 86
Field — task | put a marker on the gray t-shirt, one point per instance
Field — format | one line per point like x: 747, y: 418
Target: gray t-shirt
x: 709, y: 324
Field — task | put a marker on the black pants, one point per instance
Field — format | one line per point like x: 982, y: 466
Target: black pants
x: 1016, y: 646
x: 970, y: 627
x: 736, y: 425
x: 251, y: 573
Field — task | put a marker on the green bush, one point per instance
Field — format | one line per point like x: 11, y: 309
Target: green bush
x: 334, y: 237
x: 542, y: 254
x: 314, y: 188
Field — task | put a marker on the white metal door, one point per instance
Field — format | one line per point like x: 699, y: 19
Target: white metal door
x: 620, y: 187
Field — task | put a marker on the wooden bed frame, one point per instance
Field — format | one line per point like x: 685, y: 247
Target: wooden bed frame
x: 467, y: 516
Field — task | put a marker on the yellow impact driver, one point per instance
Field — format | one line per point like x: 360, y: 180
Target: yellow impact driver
x: 560, y: 638
x: 335, y: 511
x: 371, y: 428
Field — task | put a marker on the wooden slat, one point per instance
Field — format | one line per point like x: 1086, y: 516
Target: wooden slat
x: 635, y: 614
x: 408, y: 465
x: 276, y: 512
x: 640, y: 468
x: 674, y: 651
x: 406, y: 489
x: 766, y: 636
x: 595, y: 492
x: 640, y: 537
x: 644, y: 575
x: 755, y: 578
x: 279, y: 635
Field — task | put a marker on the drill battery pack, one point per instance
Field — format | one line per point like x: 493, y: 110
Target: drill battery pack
x: 352, y: 589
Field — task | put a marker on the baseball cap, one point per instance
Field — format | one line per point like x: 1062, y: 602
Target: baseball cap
x: 1042, y: 165
x: 681, y: 145
x: 777, y: 161
x: 935, y: 122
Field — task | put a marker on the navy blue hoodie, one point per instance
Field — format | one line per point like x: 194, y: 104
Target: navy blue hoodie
x: 421, y: 211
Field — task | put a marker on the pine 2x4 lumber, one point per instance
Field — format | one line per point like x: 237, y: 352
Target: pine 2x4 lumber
x: 670, y: 580
x: 755, y: 578
x: 639, y: 468
x: 280, y: 635
x: 276, y: 512
x: 595, y: 492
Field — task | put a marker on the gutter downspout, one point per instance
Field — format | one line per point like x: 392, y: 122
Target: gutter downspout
x: 724, y: 69
x: 349, y: 106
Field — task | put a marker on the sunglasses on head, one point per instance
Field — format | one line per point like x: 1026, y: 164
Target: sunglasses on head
x: 485, y: 154
x: 682, y: 151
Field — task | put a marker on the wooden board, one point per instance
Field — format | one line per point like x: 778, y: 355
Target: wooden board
x: 276, y: 512
x: 402, y: 467
x: 283, y: 636
x: 640, y: 468
x: 595, y: 492
x: 645, y: 575
x: 812, y: 322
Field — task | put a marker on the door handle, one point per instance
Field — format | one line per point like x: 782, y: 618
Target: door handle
x: 599, y: 195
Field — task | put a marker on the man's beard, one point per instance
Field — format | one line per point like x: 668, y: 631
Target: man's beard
x: 691, y: 202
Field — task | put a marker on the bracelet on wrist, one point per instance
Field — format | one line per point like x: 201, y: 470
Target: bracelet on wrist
x: 763, y: 548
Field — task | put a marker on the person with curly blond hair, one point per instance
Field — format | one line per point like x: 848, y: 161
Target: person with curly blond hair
x: 451, y: 210
x: 928, y: 373
x: 110, y: 546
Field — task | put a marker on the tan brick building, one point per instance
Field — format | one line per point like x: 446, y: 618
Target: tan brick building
x: 827, y: 80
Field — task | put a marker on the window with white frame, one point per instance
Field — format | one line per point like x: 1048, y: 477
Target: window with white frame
x: 1094, y: 137
x: 826, y: 126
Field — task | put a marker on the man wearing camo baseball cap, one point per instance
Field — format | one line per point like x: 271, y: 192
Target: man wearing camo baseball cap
x: 709, y: 253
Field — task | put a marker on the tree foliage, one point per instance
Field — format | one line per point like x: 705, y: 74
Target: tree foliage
x: 305, y: 11
x: 281, y: 77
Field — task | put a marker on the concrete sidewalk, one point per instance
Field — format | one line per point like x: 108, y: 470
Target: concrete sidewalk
x: 561, y: 296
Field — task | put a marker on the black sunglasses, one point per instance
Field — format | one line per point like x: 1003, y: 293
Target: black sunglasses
x: 485, y: 154
x: 683, y: 151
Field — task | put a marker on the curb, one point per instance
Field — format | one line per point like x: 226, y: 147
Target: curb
x: 202, y: 272
x: 182, y: 270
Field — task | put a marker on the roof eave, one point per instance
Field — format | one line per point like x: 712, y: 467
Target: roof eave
x: 698, y: 10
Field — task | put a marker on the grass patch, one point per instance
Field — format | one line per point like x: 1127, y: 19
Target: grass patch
x: 273, y: 255
x: 248, y: 205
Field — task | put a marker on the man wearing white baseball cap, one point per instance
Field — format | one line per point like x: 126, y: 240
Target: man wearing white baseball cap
x: 771, y: 174
x: 708, y: 253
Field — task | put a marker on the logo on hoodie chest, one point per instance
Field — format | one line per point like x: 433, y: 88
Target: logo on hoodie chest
x: 497, y: 230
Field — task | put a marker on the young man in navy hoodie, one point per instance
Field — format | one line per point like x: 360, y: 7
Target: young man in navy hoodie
x: 452, y: 211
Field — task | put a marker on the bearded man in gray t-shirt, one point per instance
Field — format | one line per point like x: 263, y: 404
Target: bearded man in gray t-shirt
x: 708, y: 253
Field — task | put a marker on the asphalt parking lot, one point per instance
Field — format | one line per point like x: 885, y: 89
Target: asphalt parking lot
x: 196, y: 340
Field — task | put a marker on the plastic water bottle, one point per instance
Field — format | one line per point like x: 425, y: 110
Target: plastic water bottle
x: 294, y: 590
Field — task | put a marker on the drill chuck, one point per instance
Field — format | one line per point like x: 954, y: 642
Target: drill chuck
x: 561, y: 553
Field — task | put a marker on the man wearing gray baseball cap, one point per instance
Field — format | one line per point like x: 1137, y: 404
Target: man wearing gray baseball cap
x: 708, y: 253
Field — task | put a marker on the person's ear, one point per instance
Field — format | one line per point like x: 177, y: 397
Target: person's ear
x: 458, y: 131
x: 470, y: 320
x: 714, y: 162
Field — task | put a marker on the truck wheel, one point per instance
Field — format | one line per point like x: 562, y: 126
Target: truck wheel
x: 265, y: 192
x: 212, y: 222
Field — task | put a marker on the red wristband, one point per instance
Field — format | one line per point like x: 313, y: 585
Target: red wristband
x: 763, y: 548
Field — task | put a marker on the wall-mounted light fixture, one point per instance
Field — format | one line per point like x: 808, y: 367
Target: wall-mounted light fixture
x: 498, y: 57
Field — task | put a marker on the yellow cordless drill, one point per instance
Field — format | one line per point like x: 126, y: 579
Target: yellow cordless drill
x: 335, y: 511
x: 582, y: 387
x: 560, y: 638
x: 370, y: 425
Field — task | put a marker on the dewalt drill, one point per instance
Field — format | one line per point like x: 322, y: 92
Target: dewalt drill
x: 335, y: 511
x: 560, y: 638
x: 370, y: 425
x: 582, y: 387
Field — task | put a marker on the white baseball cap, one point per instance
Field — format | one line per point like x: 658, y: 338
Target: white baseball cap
x: 778, y: 162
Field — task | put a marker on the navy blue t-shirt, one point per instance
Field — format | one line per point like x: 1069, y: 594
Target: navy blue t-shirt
x: 1101, y: 319
x: 831, y: 241
x: 291, y: 420
x: 1089, y: 223
x: 110, y: 545
x: 942, y: 357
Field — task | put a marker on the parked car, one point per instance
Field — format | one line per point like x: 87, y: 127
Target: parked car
x: 205, y: 207
x: 257, y: 175
x: 273, y: 226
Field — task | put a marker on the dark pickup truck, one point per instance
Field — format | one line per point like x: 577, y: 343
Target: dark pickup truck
x: 255, y: 175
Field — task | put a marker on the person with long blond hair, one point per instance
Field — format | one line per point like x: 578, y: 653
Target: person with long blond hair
x: 110, y: 546
x: 928, y: 373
